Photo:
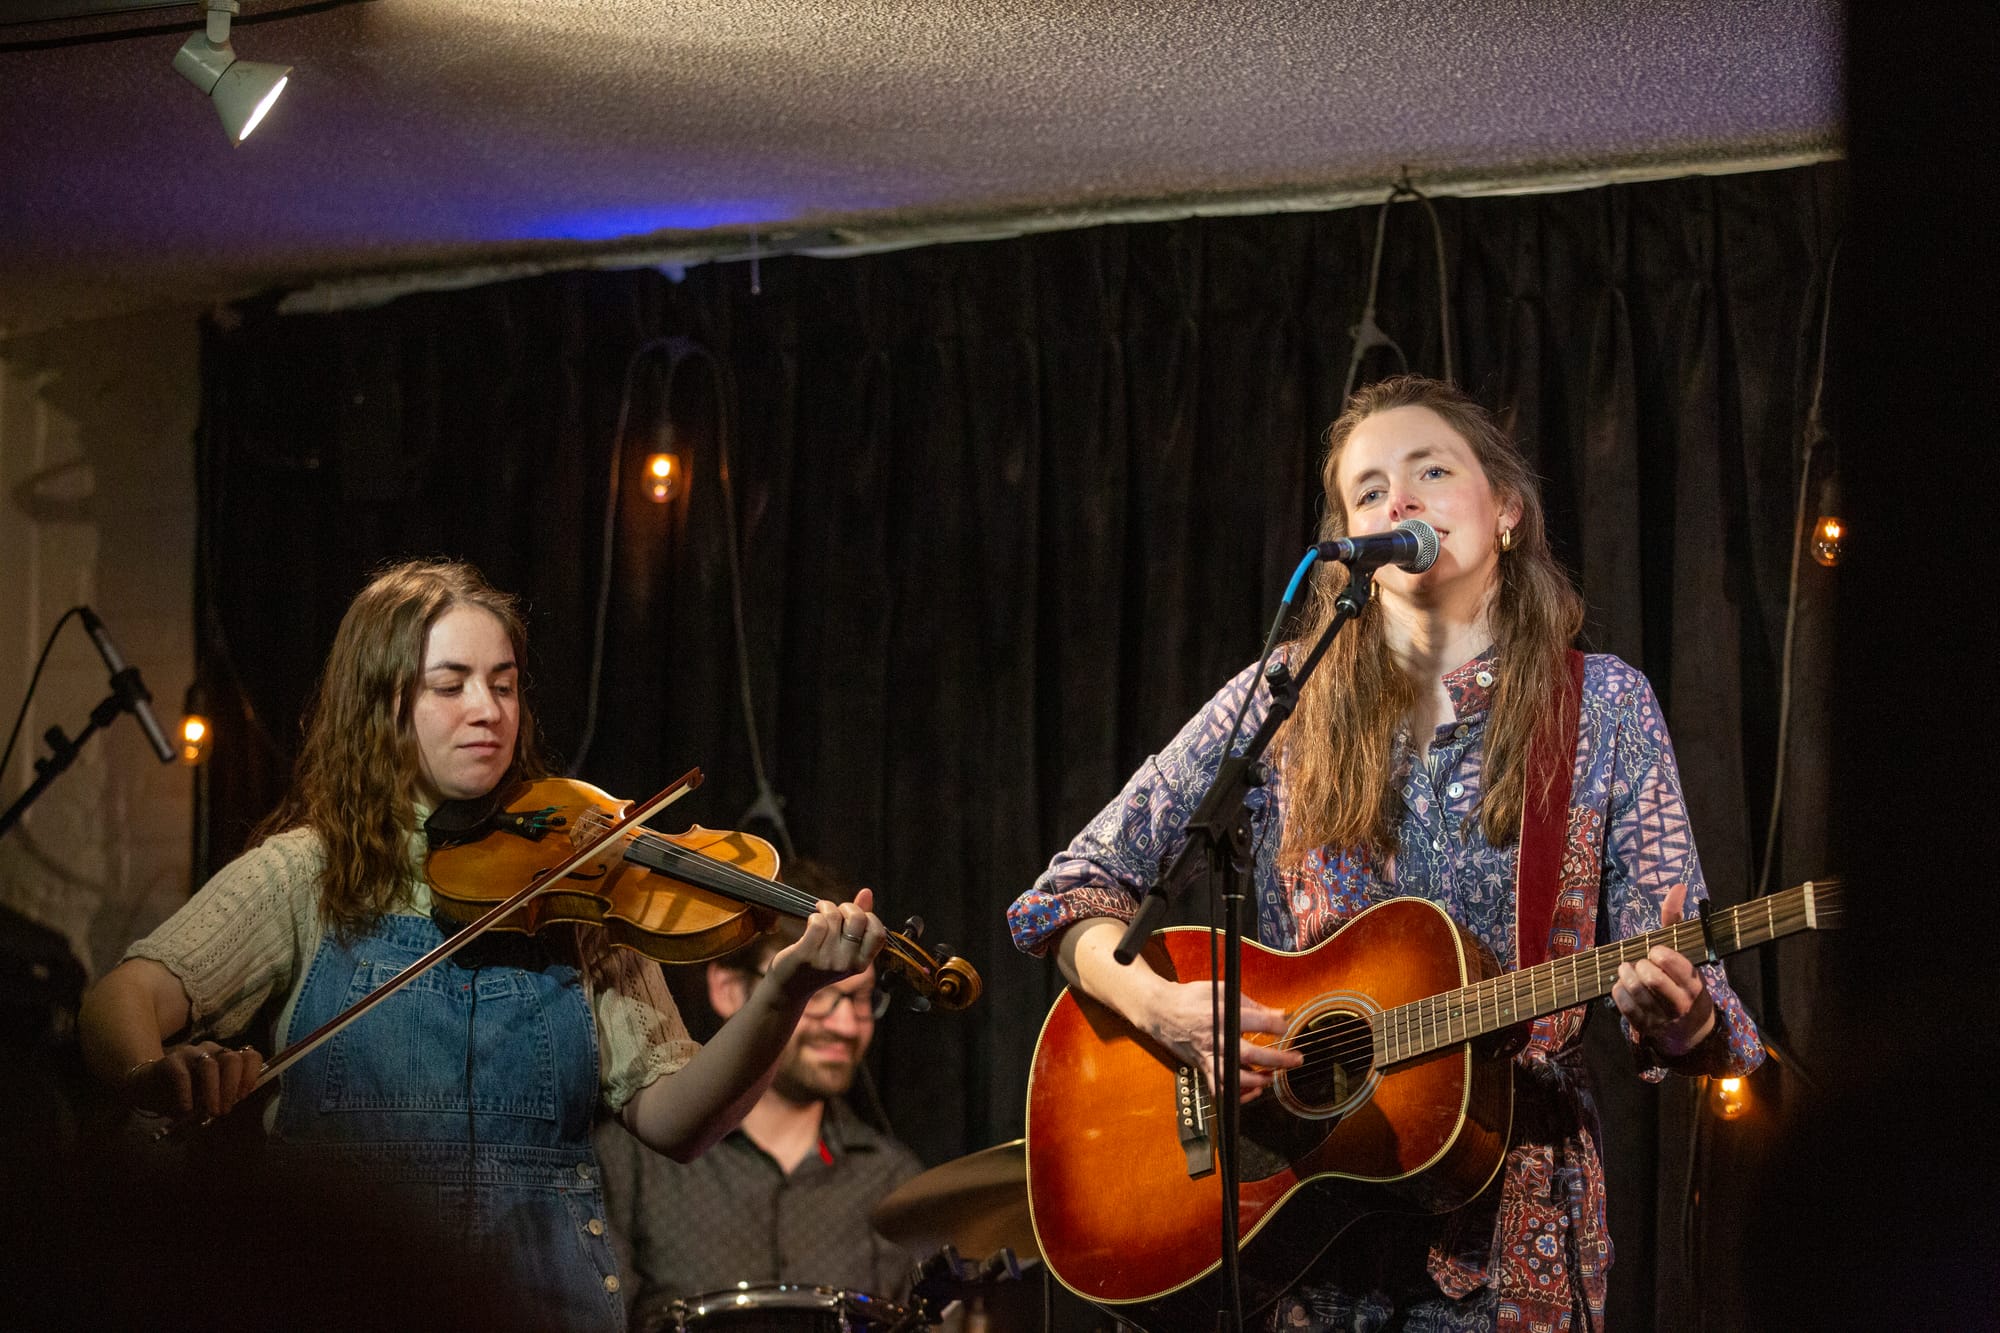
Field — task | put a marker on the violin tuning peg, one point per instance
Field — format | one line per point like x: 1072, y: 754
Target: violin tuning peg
x: 920, y: 1004
x: 914, y: 928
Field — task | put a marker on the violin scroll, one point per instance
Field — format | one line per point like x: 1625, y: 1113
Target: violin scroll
x: 949, y: 982
x: 958, y: 985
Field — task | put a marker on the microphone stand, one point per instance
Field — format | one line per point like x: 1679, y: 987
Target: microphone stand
x: 1218, y: 853
x: 63, y: 750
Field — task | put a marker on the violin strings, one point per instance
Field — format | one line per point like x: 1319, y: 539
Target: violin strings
x: 740, y: 883
x: 769, y: 892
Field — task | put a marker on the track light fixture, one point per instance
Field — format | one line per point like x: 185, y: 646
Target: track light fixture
x: 242, y: 90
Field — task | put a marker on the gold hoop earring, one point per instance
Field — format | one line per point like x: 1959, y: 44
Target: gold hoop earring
x: 1506, y: 539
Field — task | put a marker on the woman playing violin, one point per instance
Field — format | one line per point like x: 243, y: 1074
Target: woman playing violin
x: 478, y: 1082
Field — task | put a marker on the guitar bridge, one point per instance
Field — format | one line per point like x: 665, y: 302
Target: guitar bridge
x: 1191, y: 1117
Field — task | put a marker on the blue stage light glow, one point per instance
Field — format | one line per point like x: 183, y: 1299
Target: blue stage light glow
x: 611, y: 222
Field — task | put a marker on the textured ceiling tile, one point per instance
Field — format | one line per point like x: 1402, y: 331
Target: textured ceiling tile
x: 420, y: 133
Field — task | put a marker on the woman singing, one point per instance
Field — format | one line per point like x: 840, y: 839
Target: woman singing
x: 1406, y: 772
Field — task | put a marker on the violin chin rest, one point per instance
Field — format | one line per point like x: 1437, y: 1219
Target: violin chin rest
x: 456, y: 822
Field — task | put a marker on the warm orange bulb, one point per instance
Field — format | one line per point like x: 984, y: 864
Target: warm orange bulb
x: 1826, y: 540
x: 196, y: 737
x: 1728, y: 1098
x: 663, y: 477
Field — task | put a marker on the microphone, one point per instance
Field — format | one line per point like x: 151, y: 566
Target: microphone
x: 125, y: 683
x: 1411, y: 544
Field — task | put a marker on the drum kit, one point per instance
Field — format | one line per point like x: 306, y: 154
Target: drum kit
x: 791, y: 1309
x: 972, y: 1206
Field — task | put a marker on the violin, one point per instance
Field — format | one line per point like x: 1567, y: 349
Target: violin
x: 583, y: 856
x: 674, y: 897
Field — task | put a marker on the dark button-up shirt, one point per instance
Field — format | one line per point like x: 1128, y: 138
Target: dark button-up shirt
x: 732, y: 1215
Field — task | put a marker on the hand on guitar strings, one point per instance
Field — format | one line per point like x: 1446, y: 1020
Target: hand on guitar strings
x: 840, y: 941
x: 1662, y: 995
x: 194, y: 1080
x: 1181, y: 1017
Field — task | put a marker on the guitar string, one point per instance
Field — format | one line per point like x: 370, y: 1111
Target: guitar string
x: 1784, y: 914
x: 1425, y: 1024
x: 1430, y: 1024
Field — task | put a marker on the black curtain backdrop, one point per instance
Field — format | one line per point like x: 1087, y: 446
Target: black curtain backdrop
x: 1009, y: 511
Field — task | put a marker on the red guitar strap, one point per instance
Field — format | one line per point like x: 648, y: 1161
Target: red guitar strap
x: 1545, y: 823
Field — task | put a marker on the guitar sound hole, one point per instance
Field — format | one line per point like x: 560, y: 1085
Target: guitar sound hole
x: 1338, y: 1049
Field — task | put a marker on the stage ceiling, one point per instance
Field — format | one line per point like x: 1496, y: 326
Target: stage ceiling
x: 445, y: 142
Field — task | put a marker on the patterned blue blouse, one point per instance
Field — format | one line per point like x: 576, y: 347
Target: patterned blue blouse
x: 1626, y: 797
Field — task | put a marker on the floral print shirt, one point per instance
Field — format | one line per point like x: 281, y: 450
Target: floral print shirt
x: 1538, y: 1245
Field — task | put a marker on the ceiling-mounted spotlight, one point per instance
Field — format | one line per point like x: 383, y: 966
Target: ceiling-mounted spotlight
x: 242, y: 90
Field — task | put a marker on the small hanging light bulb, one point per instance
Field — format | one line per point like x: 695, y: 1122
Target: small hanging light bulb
x: 1829, y: 534
x: 197, y: 737
x: 663, y: 477
x: 1728, y: 1098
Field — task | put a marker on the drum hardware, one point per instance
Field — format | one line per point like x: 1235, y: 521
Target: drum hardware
x: 947, y: 1282
x: 785, y: 1308
x: 975, y: 1205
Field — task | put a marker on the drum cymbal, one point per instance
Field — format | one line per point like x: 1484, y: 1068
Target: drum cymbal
x: 977, y: 1204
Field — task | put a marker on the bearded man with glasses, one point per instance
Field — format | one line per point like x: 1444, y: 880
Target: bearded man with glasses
x: 784, y: 1197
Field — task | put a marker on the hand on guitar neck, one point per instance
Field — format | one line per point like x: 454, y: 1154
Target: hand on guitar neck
x: 1180, y: 1016
x: 1662, y: 996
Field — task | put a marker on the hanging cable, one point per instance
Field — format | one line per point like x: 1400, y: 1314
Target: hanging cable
x: 1443, y: 278
x: 1366, y: 332
x: 7, y: 755
x: 606, y: 543
x: 768, y: 805
x: 1815, y: 434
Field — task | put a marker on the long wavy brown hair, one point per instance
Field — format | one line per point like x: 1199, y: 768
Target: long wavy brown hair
x: 1338, y: 747
x: 355, y: 783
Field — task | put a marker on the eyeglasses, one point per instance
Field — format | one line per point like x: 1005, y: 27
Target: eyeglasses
x: 870, y: 1004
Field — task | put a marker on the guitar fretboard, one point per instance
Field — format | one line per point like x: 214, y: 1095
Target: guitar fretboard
x: 1438, y: 1021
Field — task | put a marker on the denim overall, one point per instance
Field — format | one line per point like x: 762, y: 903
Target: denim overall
x: 384, y: 1104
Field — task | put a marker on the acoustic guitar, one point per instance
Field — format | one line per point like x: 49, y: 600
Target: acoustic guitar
x: 1404, y: 1102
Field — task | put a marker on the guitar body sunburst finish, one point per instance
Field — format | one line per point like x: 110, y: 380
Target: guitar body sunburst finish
x: 1124, y: 1213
